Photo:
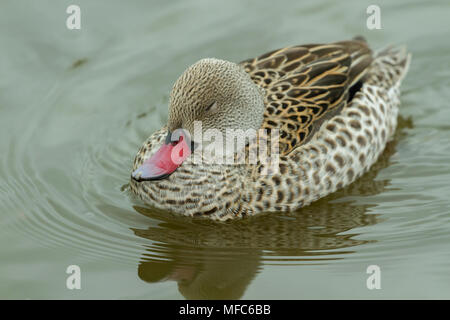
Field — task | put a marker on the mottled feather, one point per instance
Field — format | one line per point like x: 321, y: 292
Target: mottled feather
x: 307, y: 84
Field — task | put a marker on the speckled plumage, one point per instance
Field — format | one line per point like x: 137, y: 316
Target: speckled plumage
x: 336, y: 107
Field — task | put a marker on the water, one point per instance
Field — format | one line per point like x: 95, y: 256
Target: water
x: 76, y: 105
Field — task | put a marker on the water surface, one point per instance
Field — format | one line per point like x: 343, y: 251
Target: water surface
x: 75, y: 105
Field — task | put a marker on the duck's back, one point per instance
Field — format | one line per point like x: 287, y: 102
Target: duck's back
x: 305, y: 85
x: 345, y: 143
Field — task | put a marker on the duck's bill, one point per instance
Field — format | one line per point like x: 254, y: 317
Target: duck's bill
x: 166, y: 160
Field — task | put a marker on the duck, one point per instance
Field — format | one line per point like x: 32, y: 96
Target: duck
x: 319, y: 114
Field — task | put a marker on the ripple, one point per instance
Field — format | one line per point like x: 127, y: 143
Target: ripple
x: 69, y: 197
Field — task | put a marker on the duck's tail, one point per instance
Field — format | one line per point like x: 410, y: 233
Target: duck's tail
x: 389, y: 67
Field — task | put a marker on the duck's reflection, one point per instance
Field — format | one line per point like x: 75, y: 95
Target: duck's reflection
x: 212, y: 260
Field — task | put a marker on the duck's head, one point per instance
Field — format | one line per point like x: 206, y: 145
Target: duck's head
x: 215, y: 93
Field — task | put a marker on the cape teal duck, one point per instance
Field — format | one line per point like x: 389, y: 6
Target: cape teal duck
x: 333, y: 108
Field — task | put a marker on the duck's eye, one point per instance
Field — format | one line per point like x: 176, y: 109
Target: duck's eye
x: 212, y: 107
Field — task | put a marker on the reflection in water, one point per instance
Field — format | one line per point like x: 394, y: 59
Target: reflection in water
x: 211, y: 260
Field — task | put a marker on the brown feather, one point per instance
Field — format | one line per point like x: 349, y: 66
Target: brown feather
x: 306, y: 85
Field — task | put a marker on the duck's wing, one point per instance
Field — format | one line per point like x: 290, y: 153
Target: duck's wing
x: 307, y: 84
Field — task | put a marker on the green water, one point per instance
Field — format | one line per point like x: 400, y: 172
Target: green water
x: 75, y: 105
